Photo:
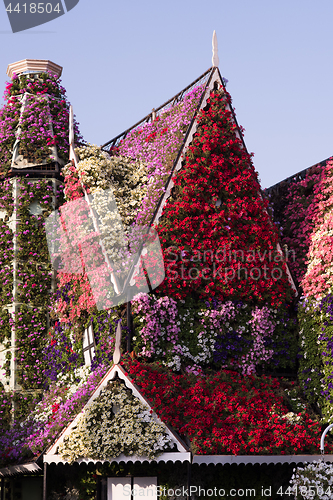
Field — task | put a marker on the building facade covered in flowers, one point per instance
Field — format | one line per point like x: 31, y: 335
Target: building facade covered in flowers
x: 121, y: 375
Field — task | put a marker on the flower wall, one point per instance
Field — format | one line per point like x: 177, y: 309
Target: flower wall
x: 295, y: 207
x: 225, y: 413
x: 185, y: 335
x: 312, y: 481
x: 157, y: 144
x: 115, y: 423
x: 32, y: 275
x: 45, y: 418
x: 316, y: 369
x: 63, y: 348
x: 218, y: 240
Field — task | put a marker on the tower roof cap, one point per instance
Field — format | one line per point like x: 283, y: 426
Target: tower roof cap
x: 33, y: 66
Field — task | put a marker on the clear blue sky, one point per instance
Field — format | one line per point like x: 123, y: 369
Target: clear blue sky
x: 122, y: 58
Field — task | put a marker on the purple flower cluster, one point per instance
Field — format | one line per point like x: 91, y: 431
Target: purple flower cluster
x: 60, y: 354
x: 230, y: 335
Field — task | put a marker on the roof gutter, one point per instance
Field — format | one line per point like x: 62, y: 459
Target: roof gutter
x: 15, y: 470
x: 258, y: 459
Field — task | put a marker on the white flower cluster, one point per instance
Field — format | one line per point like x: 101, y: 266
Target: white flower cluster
x: 81, y: 374
x: 126, y: 177
x: 313, y: 482
x: 296, y: 402
x: 292, y: 417
x: 116, y: 186
x: 112, y: 424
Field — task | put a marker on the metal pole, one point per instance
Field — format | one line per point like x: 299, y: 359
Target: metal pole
x: 129, y: 323
x: 98, y: 489
x: 189, y: 467
x: 44, y: 481
x: 3, y: 489
x: 323, y: 437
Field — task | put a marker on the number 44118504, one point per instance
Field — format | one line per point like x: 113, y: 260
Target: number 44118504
x: 34, y: 8
x: 304, y: 491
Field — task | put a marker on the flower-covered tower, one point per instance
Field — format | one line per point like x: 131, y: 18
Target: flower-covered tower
x: 33, y: 149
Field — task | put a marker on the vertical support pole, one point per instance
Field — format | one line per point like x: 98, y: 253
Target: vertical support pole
x: 129, y: 323
x: 14, y: 222
x: 104, y: 488
x: 3, y: 488
x: 99, y: 489
x: 44, y: 481
x: 189, y: 469
x: 132, y: 487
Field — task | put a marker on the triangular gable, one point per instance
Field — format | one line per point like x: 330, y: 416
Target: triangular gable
x: 211, y: 78
x: 182, y: 453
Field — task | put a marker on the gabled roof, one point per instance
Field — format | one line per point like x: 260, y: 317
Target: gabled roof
x: 276, y: 188
x: 210, y: 80
x: 181, y: 454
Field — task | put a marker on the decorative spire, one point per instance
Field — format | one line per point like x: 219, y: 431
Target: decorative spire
x: 215, y: 58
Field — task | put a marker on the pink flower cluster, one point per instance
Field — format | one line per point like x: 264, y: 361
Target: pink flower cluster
x: 262, y: 328
x: 302, y: 209
x: 157, y: 144
x: 318, y: 280
x: 39, y: 110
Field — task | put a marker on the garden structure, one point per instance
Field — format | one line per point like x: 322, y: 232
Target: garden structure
x: 224, y: 379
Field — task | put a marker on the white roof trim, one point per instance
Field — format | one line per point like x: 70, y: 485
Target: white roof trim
x: 110, y: 375
x: 201, y: 459
x: 164, y: 457
x: 258, y: 459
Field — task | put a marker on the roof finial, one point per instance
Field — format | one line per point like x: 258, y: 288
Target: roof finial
x: 215, y: 58
x: 117, y: 354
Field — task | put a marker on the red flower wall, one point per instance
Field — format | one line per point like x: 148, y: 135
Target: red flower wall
x: 216, y: 222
